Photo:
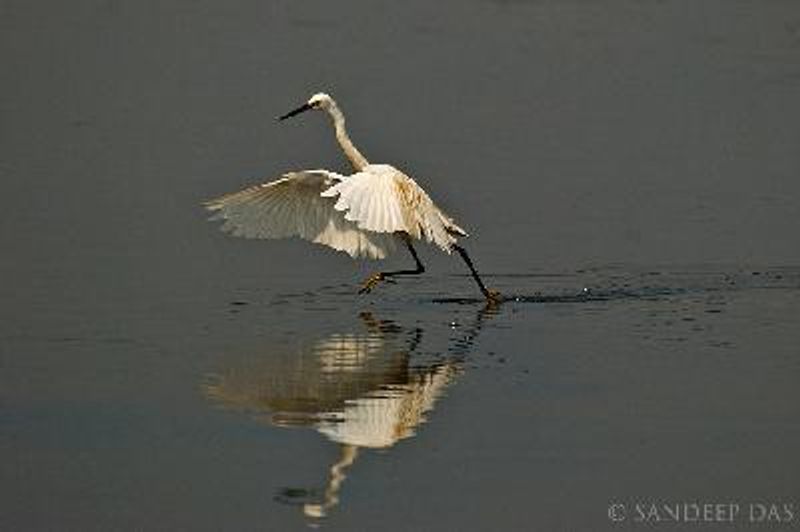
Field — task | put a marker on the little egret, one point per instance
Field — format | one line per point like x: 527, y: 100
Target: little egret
x: 364, y: 214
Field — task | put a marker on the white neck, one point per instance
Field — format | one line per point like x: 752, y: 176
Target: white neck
x: 346, y: 459
x: 358, y: 161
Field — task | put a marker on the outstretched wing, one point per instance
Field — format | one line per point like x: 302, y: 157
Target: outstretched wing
x: 294, y: 206
x: 382, y: 199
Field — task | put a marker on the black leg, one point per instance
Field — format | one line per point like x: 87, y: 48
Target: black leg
x: 374, y: 279
x: 492, y: 296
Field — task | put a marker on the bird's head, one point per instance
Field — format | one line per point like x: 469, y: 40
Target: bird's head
x: 318, y: 101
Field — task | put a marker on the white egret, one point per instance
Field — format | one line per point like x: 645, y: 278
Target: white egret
x: 364, y: 214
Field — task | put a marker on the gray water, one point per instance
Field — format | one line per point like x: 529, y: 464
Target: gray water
x: 628, y: 172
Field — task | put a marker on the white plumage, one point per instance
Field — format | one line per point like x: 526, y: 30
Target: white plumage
x: 294, y: 206
x: 382, y: 199
x: 372, y: 205
x: 364, y: 214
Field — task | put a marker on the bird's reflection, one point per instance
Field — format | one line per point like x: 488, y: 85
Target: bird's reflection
x: 360, y: 390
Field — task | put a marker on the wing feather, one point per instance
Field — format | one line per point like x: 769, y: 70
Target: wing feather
x: 294, y: 206
x: 382, y: 199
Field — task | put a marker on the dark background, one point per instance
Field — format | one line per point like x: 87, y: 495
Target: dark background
x: 579, y: 142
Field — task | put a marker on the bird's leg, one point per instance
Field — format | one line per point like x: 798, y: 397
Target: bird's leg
x: 376, y: 278
x: 492, y: 296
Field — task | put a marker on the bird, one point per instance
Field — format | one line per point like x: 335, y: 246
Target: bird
x: 361, y: 389
x: 366, y: 214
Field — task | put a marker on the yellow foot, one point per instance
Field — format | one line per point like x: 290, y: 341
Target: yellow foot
x: 371, y: 283
x: 493, y: 297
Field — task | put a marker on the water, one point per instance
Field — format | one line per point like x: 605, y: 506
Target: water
x: 627, y: 171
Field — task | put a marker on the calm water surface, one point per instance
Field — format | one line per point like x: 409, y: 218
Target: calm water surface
x: 628, y: 171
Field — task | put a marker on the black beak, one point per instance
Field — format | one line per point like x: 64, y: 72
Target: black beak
x: 301, y: 109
